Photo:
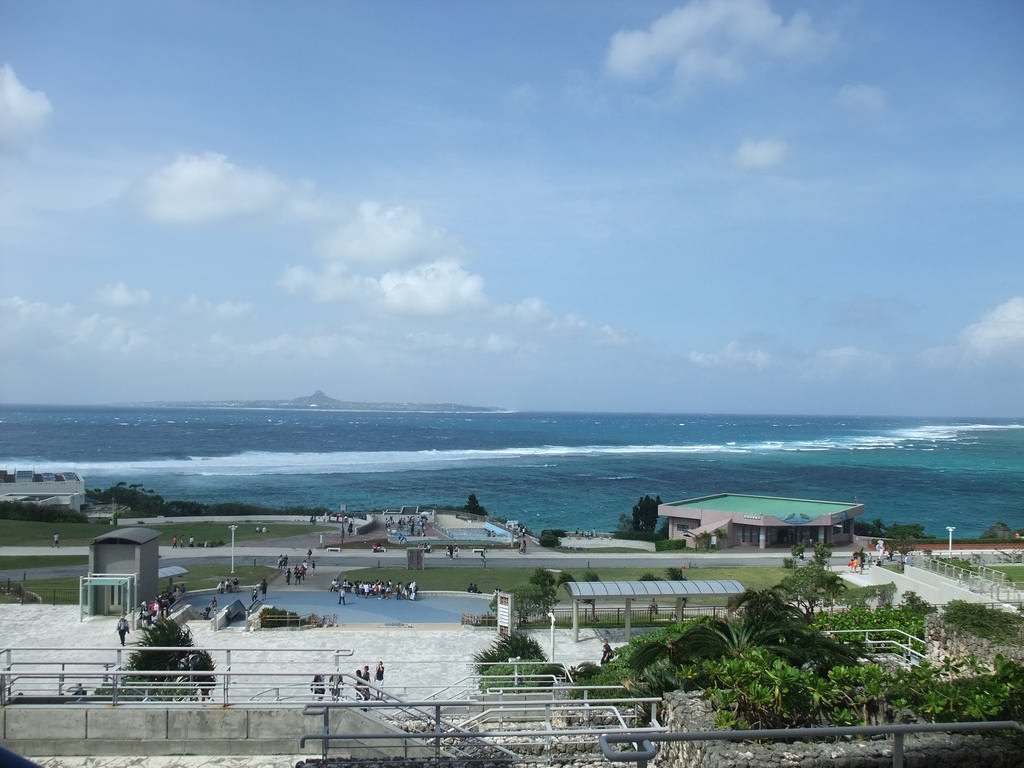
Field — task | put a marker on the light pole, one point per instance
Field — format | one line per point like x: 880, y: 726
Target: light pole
x: 950, y: 528
x: 232, y: 527
x: 551, y: 615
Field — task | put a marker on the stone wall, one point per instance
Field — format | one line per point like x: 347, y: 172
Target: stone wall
x: 944, y: 640
x: 689, y: 712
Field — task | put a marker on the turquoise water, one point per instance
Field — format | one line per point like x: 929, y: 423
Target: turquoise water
x: 569, y: 470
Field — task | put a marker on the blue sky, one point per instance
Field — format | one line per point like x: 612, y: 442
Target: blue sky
x: 735, y: 206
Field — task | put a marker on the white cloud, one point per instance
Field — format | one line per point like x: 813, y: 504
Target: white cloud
x: 432, y: 289
x: 436, y: 288
x: 207, y: 187
x: 226, y: 309
x: 733, y: 356
x: 998, y: 333
x: 62, y: 331
x: 380, y: 235
x: 759, y: 155
x: 863, y: 98
x: 22, y: 111
x: 710, y: 40
x: 121, y: 296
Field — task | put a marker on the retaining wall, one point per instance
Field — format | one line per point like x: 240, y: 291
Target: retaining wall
x: 68, y: 729
x: 689, y: 712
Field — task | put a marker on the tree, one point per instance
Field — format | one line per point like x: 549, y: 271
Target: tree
x: 473, y: 506
x: 812, y: 587
x: 645, y: 514
x: 180, y: 682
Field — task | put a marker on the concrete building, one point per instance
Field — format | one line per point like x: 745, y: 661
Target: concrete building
x: 737, y: 520
x: 62, y: 489
x: 124, y: 552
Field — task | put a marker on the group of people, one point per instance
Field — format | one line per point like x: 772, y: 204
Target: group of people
x: 382, y: 590
x: 227, y: 585
x: 151, y: 611
x: 179, y: 541
x: 321, y: 683
x: 298, y: 573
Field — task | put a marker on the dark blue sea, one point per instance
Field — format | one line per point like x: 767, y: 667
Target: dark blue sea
x: 547, y: 470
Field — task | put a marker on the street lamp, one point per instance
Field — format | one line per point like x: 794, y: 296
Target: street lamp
x: 950, y: 528
x: 233, y: 527
x: 551, y: 615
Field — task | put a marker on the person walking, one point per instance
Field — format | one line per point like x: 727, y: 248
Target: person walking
x: 378, y: 677
x: 56, y: 539
x: 317, y: 686
x: 606, y: 652
x: 122, y: 628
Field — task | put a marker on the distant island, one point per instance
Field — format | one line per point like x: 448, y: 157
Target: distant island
x: 321, y: 402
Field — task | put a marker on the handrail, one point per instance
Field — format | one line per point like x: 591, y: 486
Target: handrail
x: 436, y: 734
x: 909, y: 651
x: 648, y: 749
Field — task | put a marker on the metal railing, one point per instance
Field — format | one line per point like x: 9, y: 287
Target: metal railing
x: 646, y: 744
x: 976, y: 578
x: 444, y: 731
x: 894, y: 641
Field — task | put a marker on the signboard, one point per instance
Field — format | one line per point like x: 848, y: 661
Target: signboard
x: 505, y: 607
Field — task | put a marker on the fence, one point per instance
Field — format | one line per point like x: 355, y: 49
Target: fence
x: 17, y: 590
x: 591, y: 616
x: 976, y: 578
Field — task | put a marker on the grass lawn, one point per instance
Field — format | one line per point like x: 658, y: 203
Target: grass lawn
x: 430, y: 579
x: 16, y: 562
x: 489, y: 579
x: 198, y: 577
x: 27, y: 533
x: 1015, y: 572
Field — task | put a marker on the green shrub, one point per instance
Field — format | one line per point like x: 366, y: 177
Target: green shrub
x: 515, y: 645
x: 550, y: 538
x: 669, y: 545
x: 984, y: 622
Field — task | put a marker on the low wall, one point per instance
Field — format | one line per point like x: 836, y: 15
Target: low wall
x: 689, y: 712
x: 601, y: 542
x: 69, y: 729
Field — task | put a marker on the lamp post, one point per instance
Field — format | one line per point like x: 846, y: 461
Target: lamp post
x: 233, y: 527
x: 551, y: 615
x: 950, y: 528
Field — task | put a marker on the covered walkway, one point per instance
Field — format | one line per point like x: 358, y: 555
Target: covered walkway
x: 594, y: 592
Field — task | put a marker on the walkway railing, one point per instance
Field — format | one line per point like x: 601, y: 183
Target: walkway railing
x: 894, y: 641
x: 978, y: 578
x: 447, y: 726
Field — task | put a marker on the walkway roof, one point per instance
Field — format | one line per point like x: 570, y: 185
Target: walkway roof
x: 589, y: 590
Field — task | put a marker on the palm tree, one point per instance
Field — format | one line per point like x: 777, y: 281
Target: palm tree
x: 180, y: 664
x: 758, y: 620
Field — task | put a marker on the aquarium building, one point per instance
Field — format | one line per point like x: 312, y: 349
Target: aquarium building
x: 47, y: 489
x: 759, y: 522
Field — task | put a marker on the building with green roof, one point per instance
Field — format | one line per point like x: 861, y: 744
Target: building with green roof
x: 759, y: 522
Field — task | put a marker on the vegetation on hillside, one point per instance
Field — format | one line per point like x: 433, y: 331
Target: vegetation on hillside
x: 769, y: 664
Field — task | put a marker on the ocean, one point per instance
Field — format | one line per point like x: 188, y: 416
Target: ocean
x: 546, y: 470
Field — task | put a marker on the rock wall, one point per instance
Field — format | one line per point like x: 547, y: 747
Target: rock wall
x: 944, y: 640
x: 689, y: 712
